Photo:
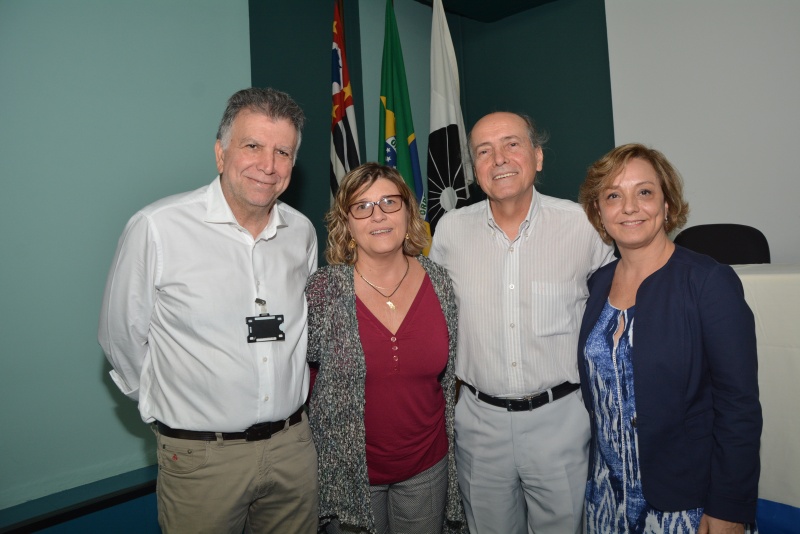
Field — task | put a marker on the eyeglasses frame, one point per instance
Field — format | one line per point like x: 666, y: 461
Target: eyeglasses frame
x: 380, y: 203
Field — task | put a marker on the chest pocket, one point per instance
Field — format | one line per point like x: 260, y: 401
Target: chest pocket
x: 556, y: 308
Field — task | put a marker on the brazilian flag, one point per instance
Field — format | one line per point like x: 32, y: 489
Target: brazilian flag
x: 398, y: 144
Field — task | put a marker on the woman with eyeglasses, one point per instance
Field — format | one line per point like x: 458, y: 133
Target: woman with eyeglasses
x: 382, y: 332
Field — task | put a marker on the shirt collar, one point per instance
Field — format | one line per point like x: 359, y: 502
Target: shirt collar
x: 219, y: 212
x: 530, y: 218
x: 217, y: 209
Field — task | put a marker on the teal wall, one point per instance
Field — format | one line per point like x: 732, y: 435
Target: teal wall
x: 551, y: 63
x: 107, y: 106
x: 104, y: 107
x: 414, y: 28
x: 290, y: 47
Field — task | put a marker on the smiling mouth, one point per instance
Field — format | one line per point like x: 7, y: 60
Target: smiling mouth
x: 378, y: 232
x: 260, y: 182
x: 506, y: 175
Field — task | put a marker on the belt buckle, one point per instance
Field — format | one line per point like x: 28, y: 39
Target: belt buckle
x: 529, y: 400
x: 258, y: 432
x: 512, y: 405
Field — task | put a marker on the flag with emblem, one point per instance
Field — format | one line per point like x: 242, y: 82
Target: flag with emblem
x: 449, y: 170
x: 344, y: 135
x: 398, y: 144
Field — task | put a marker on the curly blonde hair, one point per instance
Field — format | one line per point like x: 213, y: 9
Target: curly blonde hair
x: 603, y: 172
x: 355, y: 182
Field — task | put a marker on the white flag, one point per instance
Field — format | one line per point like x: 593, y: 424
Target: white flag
x: 449, y: 169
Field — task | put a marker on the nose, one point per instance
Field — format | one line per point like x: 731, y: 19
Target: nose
x: 266, y: 162
x: 500, y: 158
x: 377, y: 213
x: 630, y: 205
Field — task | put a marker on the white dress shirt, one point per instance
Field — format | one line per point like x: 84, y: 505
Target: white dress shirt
x: 184, y: 277
x: 520, y: 302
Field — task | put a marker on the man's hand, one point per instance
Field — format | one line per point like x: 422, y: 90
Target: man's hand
x: 712, y: 525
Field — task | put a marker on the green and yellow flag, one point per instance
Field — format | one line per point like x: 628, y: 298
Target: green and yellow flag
x: 398, y: 144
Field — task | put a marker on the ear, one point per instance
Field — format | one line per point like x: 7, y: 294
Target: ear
x: 475, y: 177
x: 539, y: 158
x: 219, y: 154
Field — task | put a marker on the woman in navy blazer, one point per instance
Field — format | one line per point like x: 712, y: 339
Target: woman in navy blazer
x: 676, y: 420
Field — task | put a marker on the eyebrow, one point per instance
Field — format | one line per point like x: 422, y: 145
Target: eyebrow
x: 362, y: 199
x: 502, y: 140
x: 253, y: 141
x: 644, y: 182
x: 249, y: 141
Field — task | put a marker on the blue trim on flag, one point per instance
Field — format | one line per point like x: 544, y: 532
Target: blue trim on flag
x: 419, y: 188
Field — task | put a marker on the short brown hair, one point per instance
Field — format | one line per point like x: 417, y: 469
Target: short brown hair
x: 354, y: 182
x: 603, y: 171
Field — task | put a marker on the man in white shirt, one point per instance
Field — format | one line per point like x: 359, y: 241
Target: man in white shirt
x: 204, y: 323
x: 519, y: 263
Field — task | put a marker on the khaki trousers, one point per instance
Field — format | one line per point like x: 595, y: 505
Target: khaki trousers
x: 267, y: 486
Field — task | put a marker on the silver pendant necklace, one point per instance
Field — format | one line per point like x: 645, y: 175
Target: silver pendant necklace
x: 390, y: 295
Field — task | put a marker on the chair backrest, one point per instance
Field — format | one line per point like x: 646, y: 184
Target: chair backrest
x: 733, y: 244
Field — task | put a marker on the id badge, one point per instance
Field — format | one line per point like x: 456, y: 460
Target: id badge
x: 264, y: 327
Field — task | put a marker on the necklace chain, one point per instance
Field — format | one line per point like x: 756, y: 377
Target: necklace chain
x: 376, y: 288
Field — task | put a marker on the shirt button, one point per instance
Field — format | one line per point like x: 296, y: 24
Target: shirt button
x: 266, y: 397
x: 394, y: 348
x: 511, y: 286
x: 396, y: 357
x: 511, y: 249
x: 264, y: 359
x: 393, y: 339
x: 513, y: 325
x: 513, y: 364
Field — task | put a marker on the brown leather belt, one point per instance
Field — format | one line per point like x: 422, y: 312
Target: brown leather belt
x: 254, y: 433
x: 526, y: 403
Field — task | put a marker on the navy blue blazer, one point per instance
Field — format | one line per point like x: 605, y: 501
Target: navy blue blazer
x: 695, y: 377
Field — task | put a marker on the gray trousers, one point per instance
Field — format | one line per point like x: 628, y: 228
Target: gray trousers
x: 522, y: 472
x: 414, y: 506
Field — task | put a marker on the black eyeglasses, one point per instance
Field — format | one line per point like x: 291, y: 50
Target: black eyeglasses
x: 388, y: 204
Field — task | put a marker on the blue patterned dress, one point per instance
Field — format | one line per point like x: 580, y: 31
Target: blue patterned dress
x: 614, y: 499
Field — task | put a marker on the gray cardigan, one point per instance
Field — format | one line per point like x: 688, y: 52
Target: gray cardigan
x: 336, y: 409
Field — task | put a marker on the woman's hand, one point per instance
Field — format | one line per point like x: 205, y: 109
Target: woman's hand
x: 712, y: 525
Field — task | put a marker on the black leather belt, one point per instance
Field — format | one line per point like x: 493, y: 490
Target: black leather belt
x: 254, y: 433
x: 526, y: 404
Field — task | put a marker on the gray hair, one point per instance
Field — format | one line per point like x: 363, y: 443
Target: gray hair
x: 537, y: 137
x: 270, y: 102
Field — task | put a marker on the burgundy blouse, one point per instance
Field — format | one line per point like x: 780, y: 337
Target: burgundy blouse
x: 404, y: 412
